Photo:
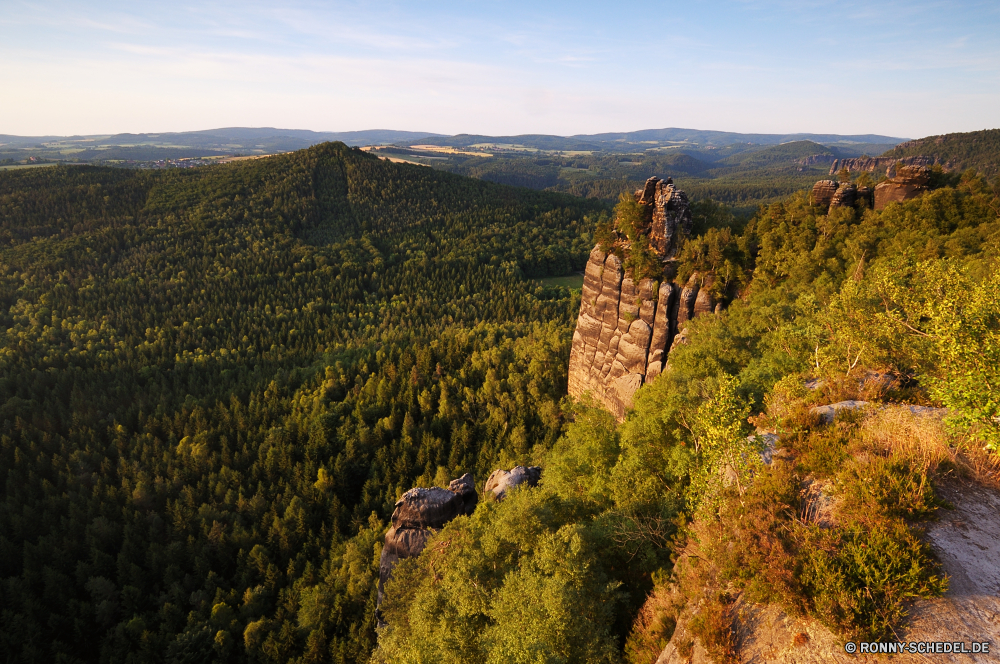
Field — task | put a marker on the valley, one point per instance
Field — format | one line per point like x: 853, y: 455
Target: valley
x: 720, y: 384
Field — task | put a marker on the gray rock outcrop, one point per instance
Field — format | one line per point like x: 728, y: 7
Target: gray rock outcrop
x: 419, y: 512
x: 500, y: 481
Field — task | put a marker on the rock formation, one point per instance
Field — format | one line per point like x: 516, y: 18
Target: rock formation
x: 671, y: 214
x: 625, y: 329
x: 872, y: 164
x: 419, y: 512
x: 906, y: 183
x: 501, y: 480
x: 823, y: 191
x: 830, y: 194
x: 815, y: 159
x: 845, y: 195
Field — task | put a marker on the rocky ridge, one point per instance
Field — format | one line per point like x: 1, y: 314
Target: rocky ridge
x: 625, y: 329
x: 872, y: 164
x: 965, y: 538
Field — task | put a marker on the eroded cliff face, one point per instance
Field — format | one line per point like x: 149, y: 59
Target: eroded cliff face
x: 905, y: 184
x: 625, y: 328
x: 872, y: 164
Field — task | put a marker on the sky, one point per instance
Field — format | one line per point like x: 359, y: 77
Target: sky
x: 901, y: 68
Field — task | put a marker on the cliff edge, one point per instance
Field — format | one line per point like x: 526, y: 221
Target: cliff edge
x: 626, y: 327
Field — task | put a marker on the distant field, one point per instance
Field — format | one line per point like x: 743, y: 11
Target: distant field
x: 572, y: 281
x: 16, y: 166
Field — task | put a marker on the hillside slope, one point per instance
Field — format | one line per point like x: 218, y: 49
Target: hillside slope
x: 975, y: 149
x: 214, y: 383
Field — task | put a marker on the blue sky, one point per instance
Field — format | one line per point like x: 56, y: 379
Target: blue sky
x: 897, y: 68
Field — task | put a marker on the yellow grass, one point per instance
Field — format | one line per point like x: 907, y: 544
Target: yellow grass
x: 924, y: 439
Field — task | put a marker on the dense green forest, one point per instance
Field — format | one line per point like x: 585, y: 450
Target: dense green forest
x: 979, y: 150
x: 890, y: 307
x: 743, y: 179
x: 216, y: 383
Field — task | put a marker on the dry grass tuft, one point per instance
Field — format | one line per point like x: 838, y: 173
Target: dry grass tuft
x: 924, y: 440
x: 654, y: 626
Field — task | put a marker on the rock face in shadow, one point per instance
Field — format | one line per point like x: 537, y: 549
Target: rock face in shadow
x: 625, y: 328
x: 419, y: 512
x: 831, y: 195
x: 845, y: 195
x: 907, y: 183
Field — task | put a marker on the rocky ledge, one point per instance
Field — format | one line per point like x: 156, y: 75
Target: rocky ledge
x: 872, y: 164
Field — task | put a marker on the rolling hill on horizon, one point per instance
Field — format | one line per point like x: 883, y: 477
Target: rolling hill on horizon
x: 225, y: 141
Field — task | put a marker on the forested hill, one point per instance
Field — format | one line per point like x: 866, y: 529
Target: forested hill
x: 979, y: 150
x: 214, y: 383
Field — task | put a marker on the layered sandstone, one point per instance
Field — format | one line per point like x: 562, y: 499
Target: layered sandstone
x: 872, y: 164
x: 907, y: 183
x: 830, y: 194
x: 671, y: 214
x: 625, y: 328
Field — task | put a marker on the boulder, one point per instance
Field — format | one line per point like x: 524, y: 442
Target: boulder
x: 419, y: 512
x: 829, y: 412
x: 501, y: 480
x: 845, y: 195
x: 905, y: 183
x: 427, y: 508
x: 823, y: 192
x: 465, y: 487
x: 405, y: 542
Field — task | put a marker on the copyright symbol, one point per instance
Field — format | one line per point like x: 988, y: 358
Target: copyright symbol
x: 850, y: 647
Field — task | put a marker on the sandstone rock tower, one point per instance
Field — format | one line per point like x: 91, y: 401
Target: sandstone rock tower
x: 625, y: 328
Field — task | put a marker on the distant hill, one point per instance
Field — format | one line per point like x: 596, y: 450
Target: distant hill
x: 974, y: 149
x: 778, y: 154
x: 671, y: 138
x: 188, y: 144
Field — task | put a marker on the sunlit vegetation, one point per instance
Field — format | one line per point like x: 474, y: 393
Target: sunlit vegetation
x: 216, y: 383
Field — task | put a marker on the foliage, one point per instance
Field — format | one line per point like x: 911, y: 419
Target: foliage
x: 932, y: 318
x: 974, y: 149
x: 725, y: 452
x: 523, y: 580
x: 212, y: 378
